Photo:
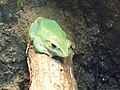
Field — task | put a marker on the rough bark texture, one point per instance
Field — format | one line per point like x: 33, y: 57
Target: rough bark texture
x: 49, y: 74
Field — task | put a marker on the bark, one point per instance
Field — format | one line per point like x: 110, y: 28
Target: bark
x: 50, y: 74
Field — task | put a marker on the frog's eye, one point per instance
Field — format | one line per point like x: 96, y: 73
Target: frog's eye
x: 71, y: 47
x: 53, y: 45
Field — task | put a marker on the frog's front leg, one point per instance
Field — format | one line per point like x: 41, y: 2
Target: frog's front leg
x: 37, y: 43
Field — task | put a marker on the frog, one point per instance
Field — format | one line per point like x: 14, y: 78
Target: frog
x: 49, y: 38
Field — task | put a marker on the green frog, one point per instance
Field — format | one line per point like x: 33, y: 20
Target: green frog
x: 48, y: 38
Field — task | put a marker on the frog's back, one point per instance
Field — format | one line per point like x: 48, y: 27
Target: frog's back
x: 49, y: 28
x: 45, y: 28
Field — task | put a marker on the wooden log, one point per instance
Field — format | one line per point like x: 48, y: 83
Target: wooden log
x: 50, y: 74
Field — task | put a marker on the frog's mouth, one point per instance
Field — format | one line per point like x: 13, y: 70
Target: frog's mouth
x: 56, y: 51
x: 60, y: 54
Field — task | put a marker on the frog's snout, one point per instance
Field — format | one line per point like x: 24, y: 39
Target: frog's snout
x: 66, y: 52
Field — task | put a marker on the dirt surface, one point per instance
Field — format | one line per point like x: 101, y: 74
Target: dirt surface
x: 94, y: 24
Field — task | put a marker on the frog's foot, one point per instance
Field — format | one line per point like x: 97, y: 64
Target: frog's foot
x: 44, y: 51
x: 39, y: 48
x: 50, y: 55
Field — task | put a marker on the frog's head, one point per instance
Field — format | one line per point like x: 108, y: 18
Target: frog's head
x: 60, y: 47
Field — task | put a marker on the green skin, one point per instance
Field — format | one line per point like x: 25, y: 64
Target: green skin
x: 49, y: 38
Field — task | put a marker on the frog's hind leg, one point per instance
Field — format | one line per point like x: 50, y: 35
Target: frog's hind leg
x: 32, y: 30
x: 37, y: 45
